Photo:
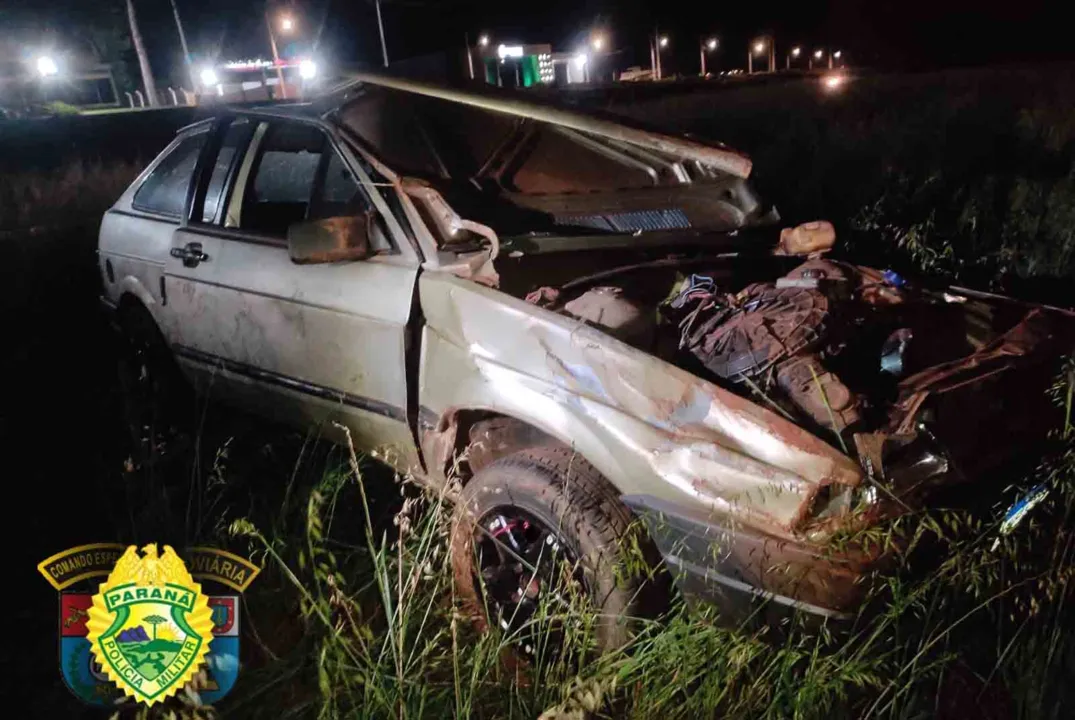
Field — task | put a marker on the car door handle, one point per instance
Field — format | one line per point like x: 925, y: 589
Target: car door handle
x: 191, y: 254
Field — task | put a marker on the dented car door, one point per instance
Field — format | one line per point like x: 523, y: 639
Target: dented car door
x: 320, y: 343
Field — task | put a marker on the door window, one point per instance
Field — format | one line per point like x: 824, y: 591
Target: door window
x: 279, y: 191
x: 165, y: 190
x: 298, y: 176
x: 338, y: 193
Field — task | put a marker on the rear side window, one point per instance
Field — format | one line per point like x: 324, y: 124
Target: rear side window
x: 165, y: 190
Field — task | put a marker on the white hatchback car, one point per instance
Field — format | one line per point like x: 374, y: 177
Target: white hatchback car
x: 600, y: 318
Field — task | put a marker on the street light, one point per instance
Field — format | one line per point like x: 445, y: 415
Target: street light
x: 287, y: 24
x: 483, y: 41
x: 598, y: 42
x: 707, y: 47
x: 795, y: 52
x: 759, y: 47
x: 307, y: 69
x: 656, y: 43
x: 46, y: 66
x: 817, y: 55
x: 208, y: 77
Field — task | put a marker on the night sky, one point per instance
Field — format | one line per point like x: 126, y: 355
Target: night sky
x: 880, y: 33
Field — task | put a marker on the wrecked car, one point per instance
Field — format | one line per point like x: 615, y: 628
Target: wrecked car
x: 572, y: 323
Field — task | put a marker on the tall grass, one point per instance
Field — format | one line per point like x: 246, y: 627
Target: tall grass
x: 72, y: 193
x: 973, y: 622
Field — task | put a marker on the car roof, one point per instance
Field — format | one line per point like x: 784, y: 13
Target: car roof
x: 307, y: 110
x: 531, y: 107
x: 512, y: 103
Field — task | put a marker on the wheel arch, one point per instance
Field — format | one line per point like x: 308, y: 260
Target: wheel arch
x: 130, y: 288
x: 460, y: 441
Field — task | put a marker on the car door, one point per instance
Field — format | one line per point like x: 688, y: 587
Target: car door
x: 320, y: 343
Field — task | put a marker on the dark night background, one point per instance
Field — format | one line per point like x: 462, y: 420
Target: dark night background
x: 911, y: 34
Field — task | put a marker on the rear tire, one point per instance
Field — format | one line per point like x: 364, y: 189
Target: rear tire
x: 152, y: 390
x: 553, y: 490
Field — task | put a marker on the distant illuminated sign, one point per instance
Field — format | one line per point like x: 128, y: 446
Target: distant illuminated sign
x: 248, y: 64
x: 509, y: 51
x: 259, y: 64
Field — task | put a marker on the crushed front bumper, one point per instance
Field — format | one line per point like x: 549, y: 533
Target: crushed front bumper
x: 746, y: 573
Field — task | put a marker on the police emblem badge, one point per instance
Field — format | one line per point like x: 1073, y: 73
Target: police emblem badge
x: 149, y: 629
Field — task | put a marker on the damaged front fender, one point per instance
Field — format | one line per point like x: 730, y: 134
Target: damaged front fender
x: 651, y: 428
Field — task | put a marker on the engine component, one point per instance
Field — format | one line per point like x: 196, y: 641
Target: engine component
x: 818, y: 392
x: 767, y: 325
x: 610, y: 310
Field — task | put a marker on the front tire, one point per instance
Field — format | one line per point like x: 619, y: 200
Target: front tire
x: 526, y: 512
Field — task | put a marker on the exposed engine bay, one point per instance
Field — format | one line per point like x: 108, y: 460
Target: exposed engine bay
x: 866, y: 360
x: 800, y: 340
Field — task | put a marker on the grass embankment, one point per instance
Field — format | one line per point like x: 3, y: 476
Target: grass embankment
x: 66, y: 170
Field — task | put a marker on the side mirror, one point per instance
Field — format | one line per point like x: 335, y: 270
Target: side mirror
x: 331, y: 239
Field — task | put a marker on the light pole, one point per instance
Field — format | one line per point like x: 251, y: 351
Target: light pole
x: 659, y: 43
x: 758, y: 48
x: 183, y: 44
x: 483, y: 41
x: 795, y: 53
x: 816, y: 55
x: 287, y: 24
x: 598, y: 42
x: 707, y: 47
x: 380, y: 27
x: 143, y: 57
